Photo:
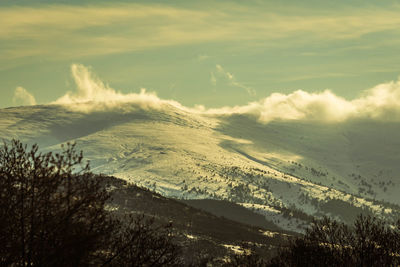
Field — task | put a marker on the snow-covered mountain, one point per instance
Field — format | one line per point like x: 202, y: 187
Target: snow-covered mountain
x: 285, y: 169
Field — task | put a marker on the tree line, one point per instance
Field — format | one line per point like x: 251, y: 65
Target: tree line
x: 53, y: 212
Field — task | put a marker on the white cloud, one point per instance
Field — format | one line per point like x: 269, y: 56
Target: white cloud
x: 299, y: 105
x: 93, y: 95
x: 379, y: 103
x: 232, y: 80
x: 23, y: 98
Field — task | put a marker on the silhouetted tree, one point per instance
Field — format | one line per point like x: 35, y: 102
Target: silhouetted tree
x: 52, y: 213
x: 140, y: 243
x: 369, y: 242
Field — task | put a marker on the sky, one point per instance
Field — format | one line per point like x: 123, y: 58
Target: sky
x: 211, y: 53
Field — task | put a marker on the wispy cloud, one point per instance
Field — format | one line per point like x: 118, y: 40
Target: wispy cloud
x: 213, y: 80
x: 381, y: 102
x: 202, y: 57
x: 231, y: 80
x: 317, y: 76
x: 93, y: 95
x: 23, y: 98
x: 59, y: 31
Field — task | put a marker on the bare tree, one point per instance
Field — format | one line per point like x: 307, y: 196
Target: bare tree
x: 52, y: 213
x: 141, y: 243
x: 369, y: 242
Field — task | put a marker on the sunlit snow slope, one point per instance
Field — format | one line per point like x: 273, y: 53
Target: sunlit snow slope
x: 286, y: 170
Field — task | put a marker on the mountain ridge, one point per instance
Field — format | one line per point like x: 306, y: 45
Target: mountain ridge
x: 287, y: 170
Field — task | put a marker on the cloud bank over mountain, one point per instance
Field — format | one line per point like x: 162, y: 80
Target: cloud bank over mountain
x: 381, y: 102
x: 93, y: 95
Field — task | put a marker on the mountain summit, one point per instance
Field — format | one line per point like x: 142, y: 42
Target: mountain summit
x: 285, y: 170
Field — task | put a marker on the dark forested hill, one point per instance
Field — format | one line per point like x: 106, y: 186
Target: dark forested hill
x: 201, y: 232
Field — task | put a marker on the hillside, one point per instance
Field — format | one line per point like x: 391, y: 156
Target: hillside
x: 201, y: 234
x: 287, y: 171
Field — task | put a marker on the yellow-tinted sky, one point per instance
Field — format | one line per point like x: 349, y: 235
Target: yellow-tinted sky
x: 214, y: 53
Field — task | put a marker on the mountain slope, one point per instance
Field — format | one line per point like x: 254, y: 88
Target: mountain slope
x: 285, y: 170
x: 201, y: 233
